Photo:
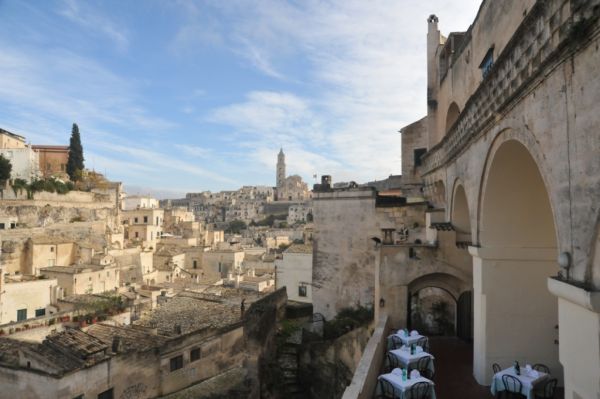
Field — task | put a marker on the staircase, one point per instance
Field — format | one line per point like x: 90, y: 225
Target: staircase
x: 287, y: 359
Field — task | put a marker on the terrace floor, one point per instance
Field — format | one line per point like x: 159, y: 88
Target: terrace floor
x: 454, y: 370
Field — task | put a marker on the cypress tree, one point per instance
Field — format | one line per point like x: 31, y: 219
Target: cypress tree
x: 75, y: 162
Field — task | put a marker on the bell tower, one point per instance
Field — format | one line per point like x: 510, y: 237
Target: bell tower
x: 280, y: 169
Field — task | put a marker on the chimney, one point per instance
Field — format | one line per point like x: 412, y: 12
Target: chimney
x: 117, y: 344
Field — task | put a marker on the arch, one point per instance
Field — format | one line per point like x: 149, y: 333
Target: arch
x: 433, y: 303
x: 451, y: 116
x: 447, y: 282
x: 459, y: 214
x: 439, y: 194
x: 517, y: 254
x: 515, y: 208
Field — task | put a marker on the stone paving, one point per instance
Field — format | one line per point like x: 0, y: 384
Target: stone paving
x: 454, y: 370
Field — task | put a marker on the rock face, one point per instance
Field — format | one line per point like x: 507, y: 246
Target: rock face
x: 327, y: 367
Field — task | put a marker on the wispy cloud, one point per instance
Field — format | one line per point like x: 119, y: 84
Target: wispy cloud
x: 193, y: 150
x: 92, y: 21
x: 366, y: 64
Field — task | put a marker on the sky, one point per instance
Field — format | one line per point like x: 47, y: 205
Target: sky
x: 185, y: 96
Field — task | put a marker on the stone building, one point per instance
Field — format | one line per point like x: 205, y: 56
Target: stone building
x: 290, y: 188
x: 512, y: 176
x: 294, y: 271
x: 177, y: 349
x: 25, y: 297
x: 144, y: 225
x: 132, y: 202
x: 52, y: 160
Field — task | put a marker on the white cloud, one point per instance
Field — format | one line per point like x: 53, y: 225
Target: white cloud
x: 91, y: 20
x: 366, y: 66
x: 194, y: 150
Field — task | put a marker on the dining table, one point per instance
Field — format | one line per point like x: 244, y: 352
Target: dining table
x: 409, y: 360
x: 529, y: 379
x: 405, y: 339
x: 402, y: 387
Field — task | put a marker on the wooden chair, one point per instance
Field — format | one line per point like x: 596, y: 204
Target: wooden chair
x: 545, y: 390
x: 541, y: 367
x: 496, y: 368
x: 387, y: 390
x: 512, y: 386
x: 420, y: 390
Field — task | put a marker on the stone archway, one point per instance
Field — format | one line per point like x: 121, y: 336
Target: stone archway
x: 433, y: 303
x: 460, y: 216
x: 515, y: 314
x: 452, y: 116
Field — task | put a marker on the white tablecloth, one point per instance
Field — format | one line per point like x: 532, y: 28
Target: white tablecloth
x: 406, y: 340
x: 409, y: 361
x: 401, y: 388
x: 527, y: 381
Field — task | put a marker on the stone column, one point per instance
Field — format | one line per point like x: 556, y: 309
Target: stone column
x: 515, y: 316
x: 579, y: 334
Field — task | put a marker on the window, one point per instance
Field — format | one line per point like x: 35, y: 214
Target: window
x: 194, y: 354
x: 40, y: 312
x: 109, y: 394
x: 418, y: 155
x: 21, y: 314
x: 487, y: 63
x: 176, y: 362
x: 2, y: 226
x: 195, y: 264
x: 157, y: 221
x: 145, y: 219
x: 51, y: 249
x: 13, y: 225
x: 137, y: 235
x: 302, y: 290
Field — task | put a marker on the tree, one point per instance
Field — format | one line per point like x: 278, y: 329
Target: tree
x: 5, y: 169
x: 236, y: 227
x: 75, y: 162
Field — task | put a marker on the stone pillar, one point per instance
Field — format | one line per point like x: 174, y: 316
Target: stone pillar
x: 579, y: 334
x: 515, y: 316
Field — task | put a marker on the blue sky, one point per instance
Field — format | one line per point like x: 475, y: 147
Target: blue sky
x: 182, y: 96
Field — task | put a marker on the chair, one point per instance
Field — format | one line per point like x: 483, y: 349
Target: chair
x: 423, y: 364
x: 496, y: 368
x: 393, y: 362
x: 396, y: 342
x: 512, y: 385
x: 541, y: 367
x: 387, y: 389
x: 545, y: 390
x: 420, y: 390
x: 423, y: 343
x: 427, y: 373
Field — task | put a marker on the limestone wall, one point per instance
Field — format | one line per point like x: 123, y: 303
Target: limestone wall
x: 16, y: 250
x: 326, y: 368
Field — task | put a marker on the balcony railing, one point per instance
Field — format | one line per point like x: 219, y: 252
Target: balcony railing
x: 552, y: 31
